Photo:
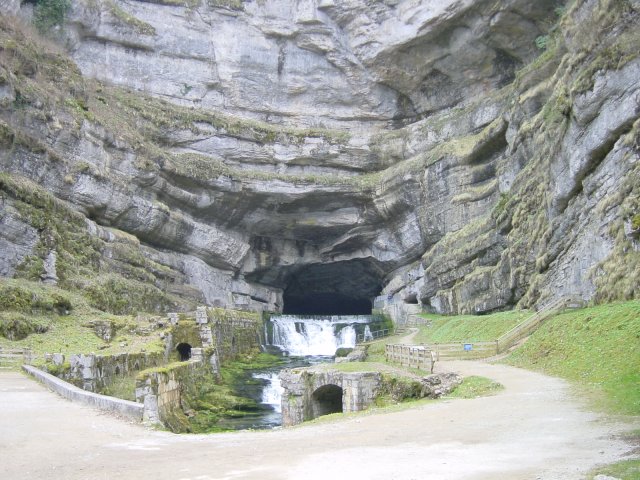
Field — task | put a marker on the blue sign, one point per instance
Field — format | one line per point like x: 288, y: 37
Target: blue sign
x: 468, y: 347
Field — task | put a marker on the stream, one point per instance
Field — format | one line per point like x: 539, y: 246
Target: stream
x: 302, y: 341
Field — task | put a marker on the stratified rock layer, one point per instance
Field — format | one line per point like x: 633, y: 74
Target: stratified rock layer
x: 466, y: 156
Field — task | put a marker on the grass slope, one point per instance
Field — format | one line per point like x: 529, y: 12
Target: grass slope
x: 469, y: 327
x: 46, y: 318
x: 597, y: 347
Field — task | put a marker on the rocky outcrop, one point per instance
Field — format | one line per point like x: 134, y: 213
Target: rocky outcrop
x: 244, y: 154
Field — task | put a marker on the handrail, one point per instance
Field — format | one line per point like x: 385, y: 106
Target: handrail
x: 362, y: 338
x: 483, y: 349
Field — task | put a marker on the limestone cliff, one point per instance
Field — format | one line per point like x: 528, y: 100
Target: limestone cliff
x: 464, y: 155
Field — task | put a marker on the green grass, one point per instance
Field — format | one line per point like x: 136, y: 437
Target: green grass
x: 473, y: 387
x: 469, y: 327
x: 376, y: 349
x: 48, y: 319
x: 597, y: 347
x: 122, y: 387
x: 624, y: 470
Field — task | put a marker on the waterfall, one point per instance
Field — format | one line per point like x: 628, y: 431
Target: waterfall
x: 315, y: 335
x: 272, y: 392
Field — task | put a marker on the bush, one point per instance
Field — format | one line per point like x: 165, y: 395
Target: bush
x: 343, y: 352
x: 122, y: 296
x: 399, y: 389
x: 48, y: 14
x: 18, y: 327
x: 23, y: 298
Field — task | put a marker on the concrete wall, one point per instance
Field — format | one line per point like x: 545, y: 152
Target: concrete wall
x: 125, y: 408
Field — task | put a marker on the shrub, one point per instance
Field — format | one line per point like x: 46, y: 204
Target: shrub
x: 48, y: 14
x: 343, y: 352
x: 18, y: 327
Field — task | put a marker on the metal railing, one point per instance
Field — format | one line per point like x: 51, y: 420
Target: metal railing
x: 362, y: 338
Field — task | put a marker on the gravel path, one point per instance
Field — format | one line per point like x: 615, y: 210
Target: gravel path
x: 534, y: 429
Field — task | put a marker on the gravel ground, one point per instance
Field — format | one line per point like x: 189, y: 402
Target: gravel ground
x: 534, y: 429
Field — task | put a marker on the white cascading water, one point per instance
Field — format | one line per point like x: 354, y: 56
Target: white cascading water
x: 308, y: 336
x: 302, y: 336
x: 272, y: 392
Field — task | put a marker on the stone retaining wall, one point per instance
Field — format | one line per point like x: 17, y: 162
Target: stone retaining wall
x: 94, y: 372
x: 159, y: 390
x: 125, y: 408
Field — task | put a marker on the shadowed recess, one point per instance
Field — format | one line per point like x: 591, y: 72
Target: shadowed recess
x: 341, y: 288
x: 326, y: 304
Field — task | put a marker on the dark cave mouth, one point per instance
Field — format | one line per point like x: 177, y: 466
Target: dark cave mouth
x: 325, y: 304
x: 339, y: 288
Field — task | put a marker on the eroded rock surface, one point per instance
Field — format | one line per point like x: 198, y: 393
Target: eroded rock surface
x: 242, y: 153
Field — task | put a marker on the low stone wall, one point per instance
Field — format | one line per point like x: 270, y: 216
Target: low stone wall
x: 125, y: 408
x: 307, y: 392
x: 93, y: 372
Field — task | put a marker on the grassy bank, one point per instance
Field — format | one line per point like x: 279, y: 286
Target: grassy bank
x: 597, y: 347
x: 468, y: 327
x: 46, y: 318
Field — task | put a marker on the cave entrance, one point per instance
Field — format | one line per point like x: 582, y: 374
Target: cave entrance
x: 325, y: 400
x: 184, y: 350
x: 325, y: 304
x: 340, y: 288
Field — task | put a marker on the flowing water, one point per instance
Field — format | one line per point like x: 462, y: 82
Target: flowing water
x: 303, y: 341
x: 315, y: 335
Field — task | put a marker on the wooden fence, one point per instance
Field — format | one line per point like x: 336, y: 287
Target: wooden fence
x: 474, y: 350
x: 414, y: 356
x: 526, y: 328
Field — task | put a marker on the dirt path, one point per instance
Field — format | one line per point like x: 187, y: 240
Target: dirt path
x: 534, y: 430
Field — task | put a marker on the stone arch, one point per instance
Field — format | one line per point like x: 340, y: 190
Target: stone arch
x: 184, y: 350
x: 325, y: 400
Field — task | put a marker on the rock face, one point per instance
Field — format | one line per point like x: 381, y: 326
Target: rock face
x: 465, y: 156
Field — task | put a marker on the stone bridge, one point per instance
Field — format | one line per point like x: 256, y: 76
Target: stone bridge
x: 310, y: 393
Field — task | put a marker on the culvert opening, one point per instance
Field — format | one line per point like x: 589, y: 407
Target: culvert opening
x: 184, y: 350
x: 326, y: 400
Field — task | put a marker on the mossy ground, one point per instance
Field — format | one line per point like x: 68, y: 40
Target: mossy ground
x: 475, y: 386
x: 53, y: 320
